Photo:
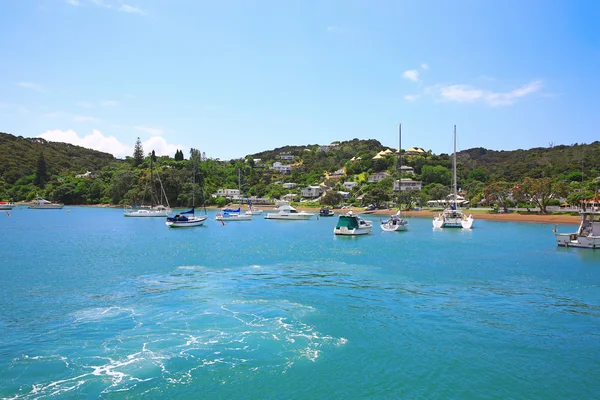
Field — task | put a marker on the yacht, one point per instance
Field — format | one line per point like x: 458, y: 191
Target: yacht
x: 43, y: 204
x: 588, y: 234
x: 7, y: 205
x: 287, y: 212
x: 351, y: 224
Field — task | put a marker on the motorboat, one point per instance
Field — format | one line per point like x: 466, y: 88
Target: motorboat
x: 235, y: 216
x: 588, y: 234
x: 452, y: 217
x: 326, y: 212
x: 43, y: 204
x: 157, y: 211
x: 394, y: 224
x: 254, y: 211
x: 186, y: 219
x: 287, y: 212
x: 351, y: 224
x: 7, y: 205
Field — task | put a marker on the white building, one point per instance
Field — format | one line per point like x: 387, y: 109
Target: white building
x: 287, y: 157
x: 229, y: 193
x: 407, y: 184
x: 282, y: 168
x: 379, y: 176
x: 289, y: 197
x: 289, y: 185
x: 312, y: 191
x: 350, y: 185
x: 405, y: 169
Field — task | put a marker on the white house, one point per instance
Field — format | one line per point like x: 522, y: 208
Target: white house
x: 281, y: 168
x: 407, y: 184
x: 289, y: 197
x: 379, y: 176
x: 230, y: 193
x: 312, y: 191
x: 287, y: 157
x: 289, y: 185
x: 335, y: 175
x: 88, y: 174
x: 350, y: 185
x: 405, y: 169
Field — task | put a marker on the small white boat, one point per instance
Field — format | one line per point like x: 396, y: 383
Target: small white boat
x: 287, y: 212
x: 158, y: 211
x: 186, y: 219
x: 236, y: 216
x: 254, y: 211
x: 588, y: 234
x: 351, y: 224
x: 394, y: 224
x: 43, y: 204
x: 7, y: 205
x: 450, y: 218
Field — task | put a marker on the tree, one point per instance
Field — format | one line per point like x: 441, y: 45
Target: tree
x: 153, y: 156
x: 436, y: 174
x: 332, y: 198
x: 41, y: 173
x: 540, y: 191
x: 138, y: 153
x: 179, y: 155
x: 500, y: 193
x: 376, y: 196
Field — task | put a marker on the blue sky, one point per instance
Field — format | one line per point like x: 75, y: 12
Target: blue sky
x: 237, y: 77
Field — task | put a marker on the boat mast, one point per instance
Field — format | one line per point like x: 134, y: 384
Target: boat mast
x: 151, y: 184
x: 400, y: 166
x: 454, y: 169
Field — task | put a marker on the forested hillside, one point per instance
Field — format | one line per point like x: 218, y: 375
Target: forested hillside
x: 32, y: 167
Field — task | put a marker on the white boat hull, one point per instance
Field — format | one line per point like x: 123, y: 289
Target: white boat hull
x: 46, y: 206
x: 289, y: 217
x: 343, y: 231
x: 234, y: 217
x: 191, y: 221
x: 146, y: 213
x: 453, y: 222
x: 6, y: 206
x: 576, y: 240
x: 390, y: 226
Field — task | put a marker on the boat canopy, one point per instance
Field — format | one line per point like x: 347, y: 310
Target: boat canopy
x: 346, y: 221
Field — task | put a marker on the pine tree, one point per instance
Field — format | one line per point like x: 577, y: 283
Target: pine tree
x: 41, y: 173
x: 153, y: 155
x: 138, y: 153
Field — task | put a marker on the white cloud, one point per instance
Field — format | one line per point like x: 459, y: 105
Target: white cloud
x: 425, y: 66
x: 470, y: 94
x: 149, y: 130
x: 411, y: 97
x: 31, y: 85
x: 109, y: 103
x: 96, y: 140
x: 411, y: 74
x: 160, y: 146
x: 118, y: 6
x: 73, y: 2
x: 130, y: 9
x: 109, y: 144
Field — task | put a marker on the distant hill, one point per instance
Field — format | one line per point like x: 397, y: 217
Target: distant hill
x: 19, y: 155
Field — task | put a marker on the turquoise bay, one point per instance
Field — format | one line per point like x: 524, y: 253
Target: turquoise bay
x: 93, y: 304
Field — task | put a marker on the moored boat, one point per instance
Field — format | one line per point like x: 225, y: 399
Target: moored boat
x: 588, y: 234
x: 289, y: 213
x: 326, y: 212
x: 394, y: 224
x: 351, y: 224
x: 236, y: 216
x: 43, y: 204
x: 157, y: 211
x: 186, y: 219
x: 7, y: 205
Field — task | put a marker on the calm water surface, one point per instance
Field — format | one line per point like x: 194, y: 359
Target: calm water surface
x: 93, y: 304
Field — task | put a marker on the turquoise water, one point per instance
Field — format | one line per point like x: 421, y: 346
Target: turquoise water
x: 93, y: 304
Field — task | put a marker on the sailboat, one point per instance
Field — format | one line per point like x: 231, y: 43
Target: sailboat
x: 396, y: 223
x: 452, y: 217
x: 188, y: 218
x: 155, y: 210
x: 229, y: 214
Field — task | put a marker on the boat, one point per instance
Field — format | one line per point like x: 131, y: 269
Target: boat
x: 396, y: 223
x: 287, y: 212
x: 254, y: 211
x: 235, y: 216
x: 7, y: 205
x: 43, y: 204
x: 326, y: 212
x: 154, y: 210
x: 351, y: 224
x: 588, y: 234
x: 452, y: 217
x: 189, y: 218
x: 186, y: 219
x: 369, y: 210
x: 231, y: 210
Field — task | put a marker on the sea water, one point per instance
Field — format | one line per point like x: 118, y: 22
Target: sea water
x: 93, y: 304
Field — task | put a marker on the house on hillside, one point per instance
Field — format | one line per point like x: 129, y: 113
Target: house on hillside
x: 406, y: 184
x: 312, y: 192
x: 405, y: 169
x: 227, y: 193
x: 289, y: 185
x: 335, y: 175
x: 414, y: 151
x: 289, y: 197
x: 382, y: 154
x: 88, y: 174
x: 286, y: 156
x: 281, y: 168
x: 378, y: 176
x: 350, y: 185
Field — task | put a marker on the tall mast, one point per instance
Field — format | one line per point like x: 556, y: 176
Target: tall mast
x: 151, y: 184
x: 454, y: 168
x: 400, y: 166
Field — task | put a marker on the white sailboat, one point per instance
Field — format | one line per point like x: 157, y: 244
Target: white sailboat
x: 396, y: 223
x: 452, y: 217
x: 43, y: 204
x: 188, y: 218
x: 158, y: 210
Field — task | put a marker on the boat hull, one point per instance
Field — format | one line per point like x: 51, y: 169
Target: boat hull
x: 575, y: 240
x: 46, y: 206
x: 344, y: 231
x: 146, y: 214
x: 191, y: 221
x: 289, y: 217
x: 4, y: 207
x: 234, y: 217
x: 453, y: 222
x: 390, y: 227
